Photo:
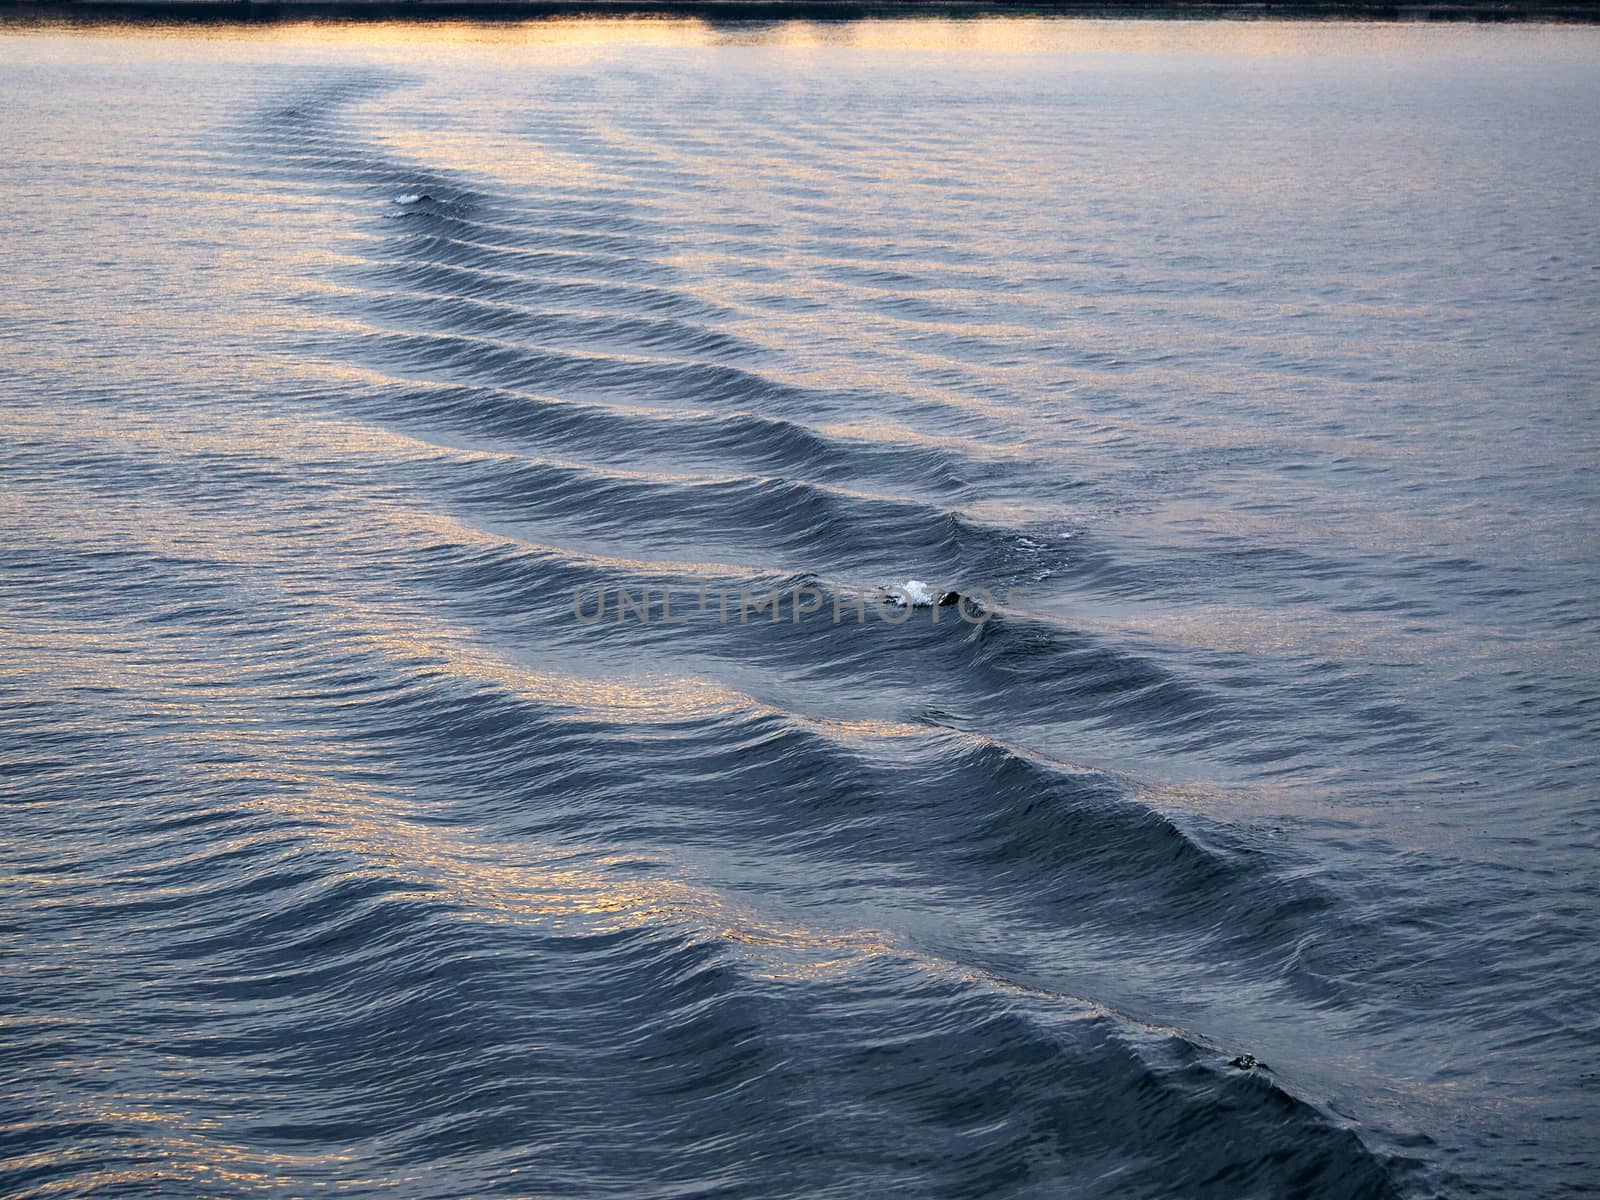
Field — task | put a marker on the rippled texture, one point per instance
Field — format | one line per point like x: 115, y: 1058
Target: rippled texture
x: 1254, y: 368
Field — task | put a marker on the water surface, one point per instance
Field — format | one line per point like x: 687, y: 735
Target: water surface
x: 1252, y: 367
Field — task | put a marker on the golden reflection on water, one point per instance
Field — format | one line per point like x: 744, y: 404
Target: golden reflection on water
x: 258, y: 550
x: 318, y: 784
x: 979, y: 35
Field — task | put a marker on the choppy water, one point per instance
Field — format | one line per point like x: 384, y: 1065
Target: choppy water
x: 1253, y: 367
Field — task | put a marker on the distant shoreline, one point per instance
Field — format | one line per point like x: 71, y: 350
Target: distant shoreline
x: 271, y: 11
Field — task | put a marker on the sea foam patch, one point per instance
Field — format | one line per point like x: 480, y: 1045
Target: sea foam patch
x: 913, y: 593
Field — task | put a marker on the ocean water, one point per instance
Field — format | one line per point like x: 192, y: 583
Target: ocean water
x: 362, y: 390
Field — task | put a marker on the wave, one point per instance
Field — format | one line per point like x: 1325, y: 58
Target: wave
x: 366, y: 861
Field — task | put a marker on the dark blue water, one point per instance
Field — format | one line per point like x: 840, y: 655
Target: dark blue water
x: 1235, y: 837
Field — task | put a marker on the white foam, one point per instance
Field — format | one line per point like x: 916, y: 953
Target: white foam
x: 410, y: 198
x: 915, y: 593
